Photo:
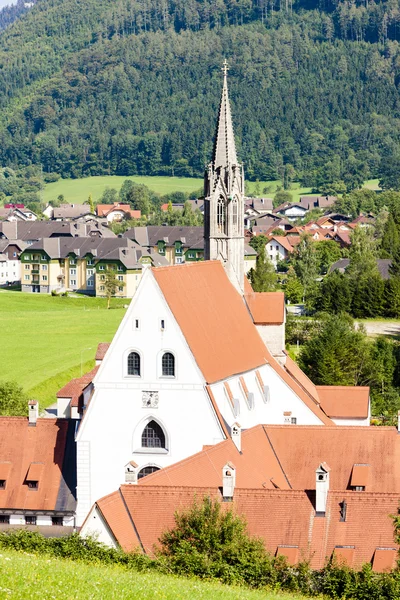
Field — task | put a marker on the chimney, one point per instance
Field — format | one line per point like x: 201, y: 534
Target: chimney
x: 228, y: 482
x: 321, y: 489
x: 236, y: 435
x: 33, y: 412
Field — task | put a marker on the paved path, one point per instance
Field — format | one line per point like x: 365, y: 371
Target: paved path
x: 373, y: 328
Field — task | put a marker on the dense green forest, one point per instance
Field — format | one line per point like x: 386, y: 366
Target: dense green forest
x: 132, y: 87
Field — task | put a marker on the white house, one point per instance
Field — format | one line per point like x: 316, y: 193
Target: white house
x: 277, y: 249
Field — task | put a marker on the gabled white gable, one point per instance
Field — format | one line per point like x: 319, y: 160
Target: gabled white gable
x: 110, y: 433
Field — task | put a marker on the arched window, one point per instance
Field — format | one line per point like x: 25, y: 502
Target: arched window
x: 153, y: 436
x: 235, y: 214
x: 221, y: 215
x: 146, y: 471
x: 168, y: 365
x: 134, y: 364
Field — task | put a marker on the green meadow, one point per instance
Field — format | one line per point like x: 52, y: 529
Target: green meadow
x: 46, y: 340
x: 27, y: 576
x: 77, y: 191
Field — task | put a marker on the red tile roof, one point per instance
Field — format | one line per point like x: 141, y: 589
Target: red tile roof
x: 74, y: 388
x: 224, y: 341
x: 102, y: 350
x: 346, y: 402
x: 284, y: 241
x: 384, y: 560
x: 298, y: 375
x: 291, y: 553
x: 105, y: 209
x: 266, y: 308
x: 360, y: 475
x: 114, y: 512
x: 34, y: 453
x: 282, y: 518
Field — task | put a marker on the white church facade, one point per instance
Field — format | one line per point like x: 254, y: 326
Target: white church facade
x: 197, y: 358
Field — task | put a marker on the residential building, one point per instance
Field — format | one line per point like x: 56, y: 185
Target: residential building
x: 10, y: 264
x: 178, y: 244
x: 383, y: 265
x: 117, y: 212
x: 33, y: 232
x: 278, y: 248
x: 80, y: 265
x: 37, y: 473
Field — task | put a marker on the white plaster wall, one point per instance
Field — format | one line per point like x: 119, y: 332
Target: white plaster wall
x: 17, y: 520
x: 96, y: 527
x: 110, y: 433
x: 273, y: 337
x: 281, y: 399
x: 10, y: 270
x: 355, y: 422
x: 43, y: 520
x: 63, y: 408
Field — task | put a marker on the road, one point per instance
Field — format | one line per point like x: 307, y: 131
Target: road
x: 373, y: 328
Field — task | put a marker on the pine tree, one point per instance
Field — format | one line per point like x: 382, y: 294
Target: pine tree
x: 263, y: 278
x: 390, y: 238
x: 111, y: 284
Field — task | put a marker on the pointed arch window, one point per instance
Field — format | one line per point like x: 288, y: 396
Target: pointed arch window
x: 134, y: 364
x: 168, y: 365
x: 235, y: 214
x: 153, y: 436
x: 147, y: 471
x: 221, y: 215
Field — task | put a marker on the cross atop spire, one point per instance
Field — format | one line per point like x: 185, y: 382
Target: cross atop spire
x: 224, y: 146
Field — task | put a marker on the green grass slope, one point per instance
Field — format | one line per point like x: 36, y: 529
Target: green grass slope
x: 27, y: 576
x: 46, y: 340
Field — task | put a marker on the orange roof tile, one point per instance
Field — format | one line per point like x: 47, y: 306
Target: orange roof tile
x: 5, y: 468
x: 247, y: 286
x: 101, y: 350
x: 256, y: 465
x: 342, y: 401
x: 280, y: 517
x: 244, y: 387
x: 35, y: 472
x: 105, y: 209
x: 384, y: 560
x: 224, y: 342
x: 291, y: 553
x: 114, y: 512
x: 360, y: 475
x: 34, y: 452
x: 266, y: 308
x: 344, y: 555
x: 74, y: 388
x: 217, y: 411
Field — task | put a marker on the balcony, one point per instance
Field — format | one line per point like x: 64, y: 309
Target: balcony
x: 34, y: 271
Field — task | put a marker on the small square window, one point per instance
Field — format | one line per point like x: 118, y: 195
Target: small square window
x: 120, y: 277
x: 27, y: 277
x: 44, y: 277
x: 5, y: 519
x: 2, y: 484
x: 293, y: 420
x: 33, y: 485
x: 120, y: 268
x: 121, y: 288
x: 30, y: 520
x: 101, y: 268
x: 57, y: 521
x: 72, y: 261
x: 90, y: 283
x: 101, y: 288
x: 72, y: 271
x: 27, y: 267
x: 44, y: 267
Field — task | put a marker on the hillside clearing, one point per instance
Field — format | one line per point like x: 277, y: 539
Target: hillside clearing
x: 28, y: 576
x: 48, y: 340
x: 76, y: 191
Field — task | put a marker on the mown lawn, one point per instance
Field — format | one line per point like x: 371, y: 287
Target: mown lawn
x: 45, y: 340
x: 26, y: 576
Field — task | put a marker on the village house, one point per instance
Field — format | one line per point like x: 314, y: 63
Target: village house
x: 117, y: 212
x: 10, y: 264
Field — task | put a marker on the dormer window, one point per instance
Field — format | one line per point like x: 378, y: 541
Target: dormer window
x: 101, y: 268
x: 2, y: 484
x: 72, y: 261
x: 359, y: 477
x: 34, y: 475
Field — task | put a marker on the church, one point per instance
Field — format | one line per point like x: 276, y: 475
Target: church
x: 198, y: 358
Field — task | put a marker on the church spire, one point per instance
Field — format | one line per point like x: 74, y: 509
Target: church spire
x: 224, y: 198
x: 224, y: 153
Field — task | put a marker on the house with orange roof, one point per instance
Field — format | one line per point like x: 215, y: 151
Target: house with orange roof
x: 308, y: 500
x: 37, y: 473
x: 117, y: 212
x: 278, y: 248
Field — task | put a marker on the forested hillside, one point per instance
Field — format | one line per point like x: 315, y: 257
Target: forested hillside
x: 132, y: 87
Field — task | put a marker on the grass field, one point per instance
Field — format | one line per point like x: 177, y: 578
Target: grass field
x: 76, y: 191
x: 26, y: 576
x: 45, y: 340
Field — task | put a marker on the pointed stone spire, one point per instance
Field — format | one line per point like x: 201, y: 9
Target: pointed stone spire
x: 224, y: 153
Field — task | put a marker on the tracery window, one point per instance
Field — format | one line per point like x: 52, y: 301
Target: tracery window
x: 153, y: 436
x: 235, y: 214
x: 168, y: 365
x: 134, y: 364
x: 221, y: 215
